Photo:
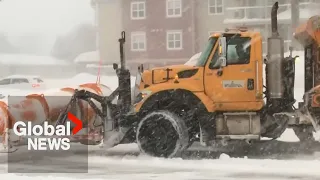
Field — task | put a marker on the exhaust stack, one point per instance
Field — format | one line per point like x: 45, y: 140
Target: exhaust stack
x: 274, y: 19
x: 275, y: 58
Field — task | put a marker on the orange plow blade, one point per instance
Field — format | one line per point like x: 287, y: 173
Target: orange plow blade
x: 38, y: 108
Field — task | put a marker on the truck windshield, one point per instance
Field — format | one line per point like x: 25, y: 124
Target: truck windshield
x: 206, y: 53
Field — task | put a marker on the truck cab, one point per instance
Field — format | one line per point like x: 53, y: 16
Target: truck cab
x: 226, y: 77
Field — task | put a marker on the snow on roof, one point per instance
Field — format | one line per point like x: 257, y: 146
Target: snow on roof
x: 246, y: 20
x: 303, y: 14
x: 88, y: 57
x: 97, y: 66
x: 22, y: 76
x: 23, y: 59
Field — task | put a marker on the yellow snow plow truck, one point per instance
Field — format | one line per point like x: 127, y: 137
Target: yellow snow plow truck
x: 222, y: 97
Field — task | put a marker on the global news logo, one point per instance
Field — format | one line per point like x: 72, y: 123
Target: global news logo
x: 48, y: 137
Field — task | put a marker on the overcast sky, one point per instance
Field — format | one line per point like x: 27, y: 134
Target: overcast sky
x: 43, y: 16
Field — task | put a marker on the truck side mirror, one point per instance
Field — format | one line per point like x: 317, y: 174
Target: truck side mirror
x: 222, y: 52
x: 140, y: 68
x: 222, y: 61
x: 223, y: 47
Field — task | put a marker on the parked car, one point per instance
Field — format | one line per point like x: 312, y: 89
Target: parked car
x: 22, y: 82
x: 193, y: 60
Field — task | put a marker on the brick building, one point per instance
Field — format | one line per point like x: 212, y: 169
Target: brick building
x: 162, y: 32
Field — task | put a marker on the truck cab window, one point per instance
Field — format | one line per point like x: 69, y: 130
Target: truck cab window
x: 18, y: 81
x: 206, y: 53
x: 214, y: 61
x: 38, y: 80
x: 238, y: 50
x: 5, y: 82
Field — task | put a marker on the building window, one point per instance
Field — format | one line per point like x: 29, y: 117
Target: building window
x: 138, y: 41
x: 138, y: 10
x: 215, y: 7
x: 174, y: 8
x: 174, y: 40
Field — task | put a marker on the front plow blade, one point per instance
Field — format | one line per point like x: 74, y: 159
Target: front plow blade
x: 113, y: 138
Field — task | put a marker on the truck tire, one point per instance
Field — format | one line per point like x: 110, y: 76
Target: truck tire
x: 162, y: 134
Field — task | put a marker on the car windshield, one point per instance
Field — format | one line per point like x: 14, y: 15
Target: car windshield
x: 38, y: 80
x: 206, y: 53
x: 4, y: 81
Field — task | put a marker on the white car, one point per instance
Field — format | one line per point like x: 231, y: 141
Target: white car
x: 194, y: 59
x: 22, y: 82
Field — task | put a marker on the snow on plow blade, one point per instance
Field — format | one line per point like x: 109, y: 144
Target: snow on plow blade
x: 38, y: 108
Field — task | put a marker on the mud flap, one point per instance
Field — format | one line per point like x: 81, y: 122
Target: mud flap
x: 279, y: 125
x: 282, y: 121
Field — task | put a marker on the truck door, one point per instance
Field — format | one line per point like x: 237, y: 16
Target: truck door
x: 234, y: 87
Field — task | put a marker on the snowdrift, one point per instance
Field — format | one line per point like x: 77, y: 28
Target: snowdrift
x: 110, y: 81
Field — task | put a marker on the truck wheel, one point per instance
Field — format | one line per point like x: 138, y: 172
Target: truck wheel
x: 304, y: 133
x: 162, y: 134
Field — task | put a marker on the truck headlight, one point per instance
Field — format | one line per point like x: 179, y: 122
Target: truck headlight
x: 138, y: 98
x: 142, y: 95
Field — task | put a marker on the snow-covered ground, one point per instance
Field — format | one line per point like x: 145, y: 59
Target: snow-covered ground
x: 125, y: 167
x: 117, y: 164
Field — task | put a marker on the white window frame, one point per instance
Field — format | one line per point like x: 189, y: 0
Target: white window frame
x: 137, y: 3
x: 174, y: 2
x: 215, y: 5
x: 181, y: 39
x: 139, y: 33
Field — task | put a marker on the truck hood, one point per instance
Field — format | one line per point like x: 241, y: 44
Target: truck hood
x: 160, y: 74
x: 175, y: 67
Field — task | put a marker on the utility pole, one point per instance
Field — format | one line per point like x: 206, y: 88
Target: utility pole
x: 295, y: 19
